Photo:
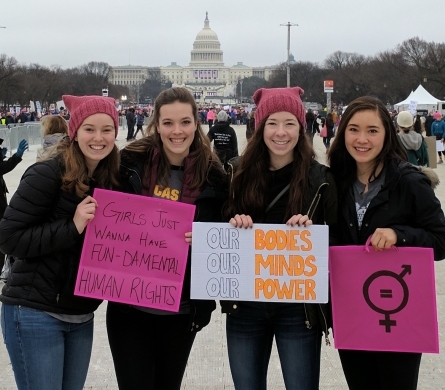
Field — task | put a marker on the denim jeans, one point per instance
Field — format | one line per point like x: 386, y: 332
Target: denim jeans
x: 46, y: 353
x: 249, y: 341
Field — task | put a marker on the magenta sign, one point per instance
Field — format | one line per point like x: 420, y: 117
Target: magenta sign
x: 384, y: 301
x: 135, y: 251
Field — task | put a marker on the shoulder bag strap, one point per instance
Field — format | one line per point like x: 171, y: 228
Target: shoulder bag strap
x: 277, y: 197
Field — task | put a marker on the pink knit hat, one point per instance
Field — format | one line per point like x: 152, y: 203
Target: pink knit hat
x: 81, y: 107
x: 273, y: 100
x: 437, y: 115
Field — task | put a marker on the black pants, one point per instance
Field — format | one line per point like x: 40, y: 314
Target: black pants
x: 210, y: 122
x: 149, y: 351
x: 130, y: 132
x: 368, y: 370
x: 138, y: 128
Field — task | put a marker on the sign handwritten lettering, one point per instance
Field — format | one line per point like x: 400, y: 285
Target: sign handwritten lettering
x: 134, y: 250
x: 270, y: 263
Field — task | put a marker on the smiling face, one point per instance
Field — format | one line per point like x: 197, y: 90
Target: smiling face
x: 96, y: 136
x: 364, y: 138
x: 176, y: 128
x: 281, y: 133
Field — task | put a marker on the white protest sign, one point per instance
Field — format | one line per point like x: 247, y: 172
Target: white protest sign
x: 413, y: 107
x: 268, y: 263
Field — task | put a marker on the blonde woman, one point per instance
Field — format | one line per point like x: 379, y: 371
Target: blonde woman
x: 54, y: 128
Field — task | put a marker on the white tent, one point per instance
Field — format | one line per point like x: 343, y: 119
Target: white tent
x: 420, y: 97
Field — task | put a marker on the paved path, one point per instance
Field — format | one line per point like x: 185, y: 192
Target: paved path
x: 208, y: 365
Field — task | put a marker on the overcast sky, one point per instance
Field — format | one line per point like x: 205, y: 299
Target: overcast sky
x: 156, y: 33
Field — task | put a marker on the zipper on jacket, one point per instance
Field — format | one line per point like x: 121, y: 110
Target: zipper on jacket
x: 315, y: 201
x: 326, y: 335
x: 307, y: 322
x: 57, y: 298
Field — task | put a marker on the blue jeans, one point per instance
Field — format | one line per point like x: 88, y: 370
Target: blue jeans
x: 249, y: 341
x: 46, y: 353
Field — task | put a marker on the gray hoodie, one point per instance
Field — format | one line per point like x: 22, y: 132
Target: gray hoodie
x: 410, y: 140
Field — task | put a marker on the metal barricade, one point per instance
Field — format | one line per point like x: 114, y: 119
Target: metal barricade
x: 13, y: 134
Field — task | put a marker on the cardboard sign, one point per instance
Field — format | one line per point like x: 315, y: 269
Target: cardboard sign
x: 134, y: 250
x: 269, y: 263
x: 384, y: 301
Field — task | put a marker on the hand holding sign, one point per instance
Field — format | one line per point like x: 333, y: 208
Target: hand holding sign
x: 383, y: 238
x: 84, y: 213
x: 241, y: 221
x: 300, y: 220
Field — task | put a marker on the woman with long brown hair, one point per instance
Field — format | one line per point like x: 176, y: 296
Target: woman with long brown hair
x: 47, y: 330
x: 151, y: 347
x: 278, y: 181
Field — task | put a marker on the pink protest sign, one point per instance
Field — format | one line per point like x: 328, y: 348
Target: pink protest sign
x: 134, y: 250
x: 384, y: 301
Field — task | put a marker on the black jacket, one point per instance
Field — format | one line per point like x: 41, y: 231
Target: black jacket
x: 224, y: 141
x: 38, y: 231
x: 209, y: 202
x: 5, y: 167
x: 131, y: 118
x: 320, y: 204
x: 406, y: 203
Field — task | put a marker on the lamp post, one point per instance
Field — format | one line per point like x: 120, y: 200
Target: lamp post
x: 123, y: 99
x: 288, y: 24
x: 241, y: 82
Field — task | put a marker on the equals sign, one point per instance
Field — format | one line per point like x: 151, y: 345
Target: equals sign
x: 385, y: 293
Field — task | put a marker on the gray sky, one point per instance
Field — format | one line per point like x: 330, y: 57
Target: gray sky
x: 155, y: 33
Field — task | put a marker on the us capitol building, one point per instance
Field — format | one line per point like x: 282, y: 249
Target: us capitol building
x: 205, y: 77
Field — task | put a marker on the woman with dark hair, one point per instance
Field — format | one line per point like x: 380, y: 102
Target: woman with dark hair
x: 329, y: 123
x: 47, y: 330
x: 382, y: 196
x: 278, y: 181
x: 151, y: 347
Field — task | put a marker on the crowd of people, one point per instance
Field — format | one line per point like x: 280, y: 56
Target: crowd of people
x: 371, y: 189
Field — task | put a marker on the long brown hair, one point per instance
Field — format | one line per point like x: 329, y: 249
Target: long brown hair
x: 53, y: 124
x: 342, y: 164
x: 75, y: 178
x: 199, y: 149
x: 249, y: 187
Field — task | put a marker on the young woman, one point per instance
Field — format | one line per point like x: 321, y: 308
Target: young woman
x: 412, y: 141
x: 277, y: 156
x: 54, y: 129
x: 150, y: 347
x: 47, y: 330
x: 382, y: 196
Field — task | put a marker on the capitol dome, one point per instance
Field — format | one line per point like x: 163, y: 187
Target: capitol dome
x: 206, y: 48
